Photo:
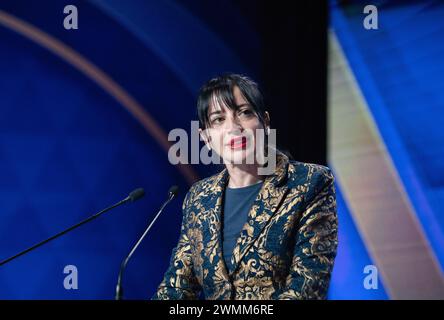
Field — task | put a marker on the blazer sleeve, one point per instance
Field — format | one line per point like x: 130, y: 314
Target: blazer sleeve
x: 179, y: 281
x: 315, y: 245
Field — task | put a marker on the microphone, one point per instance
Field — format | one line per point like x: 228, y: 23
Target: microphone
x: 133, y: 196
x: 172, y: 193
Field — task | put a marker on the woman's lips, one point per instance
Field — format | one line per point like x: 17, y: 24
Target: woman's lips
x: 238, y: 143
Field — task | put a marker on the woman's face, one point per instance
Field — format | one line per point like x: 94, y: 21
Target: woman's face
x: 233, y: 133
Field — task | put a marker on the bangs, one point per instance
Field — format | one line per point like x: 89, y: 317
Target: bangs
x: 218, y: 93
x: 221, y: 98
x: 214, y: 99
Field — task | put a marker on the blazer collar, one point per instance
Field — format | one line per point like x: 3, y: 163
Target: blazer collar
x: 276, y: 178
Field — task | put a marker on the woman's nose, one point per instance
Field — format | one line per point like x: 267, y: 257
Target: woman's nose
x: 234, y: 125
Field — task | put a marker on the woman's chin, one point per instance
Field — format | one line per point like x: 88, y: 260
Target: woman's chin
x: 239, y: 157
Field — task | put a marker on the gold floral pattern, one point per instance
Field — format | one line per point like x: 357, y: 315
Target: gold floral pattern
x: 286, y: 249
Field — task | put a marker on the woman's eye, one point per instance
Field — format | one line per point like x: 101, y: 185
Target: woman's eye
x: 245, y: 112
x: 217, y: 120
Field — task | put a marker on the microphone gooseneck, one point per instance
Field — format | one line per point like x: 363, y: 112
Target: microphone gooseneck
x: 172, y: 193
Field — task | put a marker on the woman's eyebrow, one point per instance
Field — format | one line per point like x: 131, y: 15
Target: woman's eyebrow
x: 237, y: 107
x: 215, y: 112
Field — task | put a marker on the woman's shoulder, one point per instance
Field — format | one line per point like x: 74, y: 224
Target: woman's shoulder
x: 309, y: 180
x: 308, y: 173
x: 205, y: 185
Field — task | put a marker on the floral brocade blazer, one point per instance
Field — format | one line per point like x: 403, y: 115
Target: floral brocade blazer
x: 285, y: 250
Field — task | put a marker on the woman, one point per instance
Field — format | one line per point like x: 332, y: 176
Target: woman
x: 246, y: 235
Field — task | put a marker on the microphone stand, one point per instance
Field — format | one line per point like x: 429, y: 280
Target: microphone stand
x: 119, y: 289
x: 133, y: 196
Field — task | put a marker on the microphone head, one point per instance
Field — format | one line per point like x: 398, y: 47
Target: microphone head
x: 136, y: 194
x: 173, y: 191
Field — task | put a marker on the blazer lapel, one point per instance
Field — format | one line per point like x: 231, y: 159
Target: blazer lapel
x: 212, y: 233
x: 264, y: 207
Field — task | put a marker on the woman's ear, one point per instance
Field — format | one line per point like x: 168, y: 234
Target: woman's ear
x: 205, y: 137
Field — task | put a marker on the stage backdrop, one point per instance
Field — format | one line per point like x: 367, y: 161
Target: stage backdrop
x: 85, y: 113
x: 386, y: 146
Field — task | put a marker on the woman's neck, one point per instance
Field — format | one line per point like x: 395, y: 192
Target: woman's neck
x: 243, y: 175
